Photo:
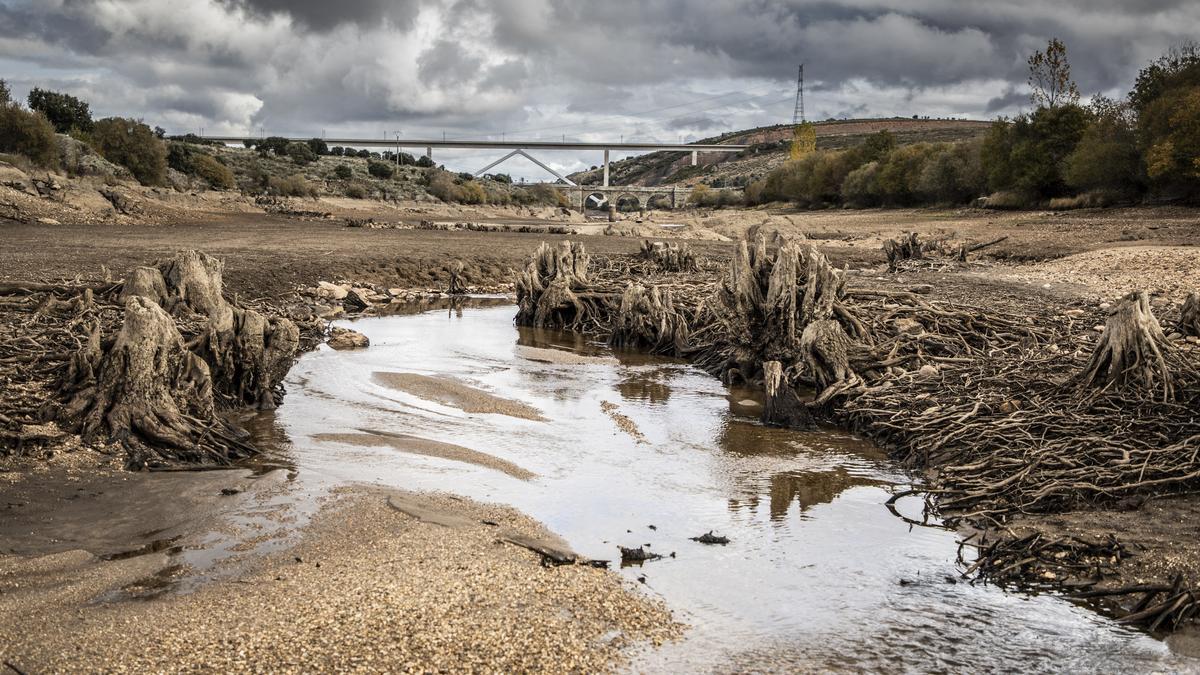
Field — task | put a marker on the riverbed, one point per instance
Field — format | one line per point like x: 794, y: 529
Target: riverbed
x: 629, y: 450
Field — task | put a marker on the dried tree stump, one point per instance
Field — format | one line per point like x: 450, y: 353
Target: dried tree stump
x: 1189, y: 316
x: 1130, y: 351
x: 151, y: 395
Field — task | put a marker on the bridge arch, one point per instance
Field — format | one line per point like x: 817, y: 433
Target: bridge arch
x: 627, y: 202
x: 660, y: 201
x: 595, y: 201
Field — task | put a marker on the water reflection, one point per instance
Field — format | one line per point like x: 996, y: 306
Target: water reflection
x: 646, y: 385
x: 801, y: 488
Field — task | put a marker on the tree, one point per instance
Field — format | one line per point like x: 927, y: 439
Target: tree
x: 1166, y: 98
x: 1050, y: 77
x: 64, y: 111
x: 5, y: 93
x: 380, y: 169
x: 134, y: 146
x: 343, y: 171
x: 1107, y: 156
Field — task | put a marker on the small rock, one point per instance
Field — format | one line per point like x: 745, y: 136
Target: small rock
x: 333, y: 290
x: 928, y: 370
x: 638, y: 554
x: 356, y: 300
x: 344, y: 338
x: 1074, y: 312
x: 229, y: 492
x: 908, y: 326
x: 922, y: 289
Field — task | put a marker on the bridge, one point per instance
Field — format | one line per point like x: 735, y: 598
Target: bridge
x: 579, y: 193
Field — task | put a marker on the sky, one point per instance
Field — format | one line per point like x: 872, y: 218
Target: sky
x: 663, y: 70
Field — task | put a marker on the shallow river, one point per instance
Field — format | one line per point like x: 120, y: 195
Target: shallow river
x: 818, y: 574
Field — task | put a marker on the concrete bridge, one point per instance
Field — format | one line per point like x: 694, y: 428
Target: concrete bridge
x: 674, y: 197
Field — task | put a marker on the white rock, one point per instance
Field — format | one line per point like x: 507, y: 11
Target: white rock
x: 336, y: 292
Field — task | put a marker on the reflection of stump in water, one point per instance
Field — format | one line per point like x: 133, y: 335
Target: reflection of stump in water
x: 1131, y: 350
x: 644, y: 387
x: 1189, y: 316
x: 783, y: 407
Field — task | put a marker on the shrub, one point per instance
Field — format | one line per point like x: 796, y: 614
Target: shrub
x: 1029, y: 154
x: 356, y: 191
x: 28, y: 133
x: 5, y: 93
x: 272, y: 144
x: 380, y: 169
x: 343, y: 171
x: 216, y: 174
x: 133, y: 145
x: 179, y: 156
x: 952, y: 174
x: 293, y: 186
x: 424, y: 162
x: 550, y: 196
x: 64, y: 111
x: 301, y: 154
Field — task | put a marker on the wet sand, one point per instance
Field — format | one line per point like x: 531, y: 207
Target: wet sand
x: 455, y: 394
x: 366, y: 588
x: 561, y: 357
x: 430, y: 448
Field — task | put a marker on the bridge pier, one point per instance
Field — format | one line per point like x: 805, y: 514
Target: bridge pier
x: 606, y: 167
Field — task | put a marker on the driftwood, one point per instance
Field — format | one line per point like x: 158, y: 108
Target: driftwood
x: 904, y: 247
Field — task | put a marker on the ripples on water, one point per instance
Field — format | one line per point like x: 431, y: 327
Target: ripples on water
x: 818, y: 574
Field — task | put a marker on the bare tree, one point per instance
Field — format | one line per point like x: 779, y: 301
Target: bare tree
x: 1050, y: 77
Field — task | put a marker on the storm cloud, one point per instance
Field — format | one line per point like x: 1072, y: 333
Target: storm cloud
x: 660, y: 69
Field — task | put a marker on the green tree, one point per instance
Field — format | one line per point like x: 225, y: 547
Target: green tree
x: 64, y: 111
x: 5, y: 93
x: 343, y: 171
x: 1107, y: 156
x: 318, y: 146
x: 134, y: 146
x: 1166, y: 98
x: 1050, y: 77
x: 380, y: 169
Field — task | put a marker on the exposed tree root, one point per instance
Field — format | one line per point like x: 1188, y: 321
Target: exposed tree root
x: 1131, y: 349
x: 1189, y: 316
x: 670, y: 256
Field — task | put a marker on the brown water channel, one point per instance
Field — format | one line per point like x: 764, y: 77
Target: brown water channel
x: 818, y: 574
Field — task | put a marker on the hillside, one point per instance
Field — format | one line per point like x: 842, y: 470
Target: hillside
x: 769, y: 148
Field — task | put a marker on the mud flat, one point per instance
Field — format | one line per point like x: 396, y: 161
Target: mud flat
x: 455, y: 394
x: 428, y: 447
x: 366, y: 588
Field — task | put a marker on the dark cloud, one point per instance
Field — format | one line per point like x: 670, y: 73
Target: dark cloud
x: 323, y: 15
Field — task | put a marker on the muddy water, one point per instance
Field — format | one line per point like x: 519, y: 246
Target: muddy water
x: 817, y: 575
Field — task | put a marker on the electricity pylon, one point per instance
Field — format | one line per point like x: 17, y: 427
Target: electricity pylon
x: 804, y: 135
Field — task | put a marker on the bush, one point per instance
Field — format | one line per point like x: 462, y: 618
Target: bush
x: 301, y: 154
x: 380, y: 169
x: 64, y: 111
x: 272, y: 144
x: 216, y: 174
x: 356, y: 191
x: 133, y: 145
x: 952, y: 174
x: 550, y: 196
x: 424, y: 162
x: 343, y: 172
x: 29, y: 134
x: 293, y: 186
